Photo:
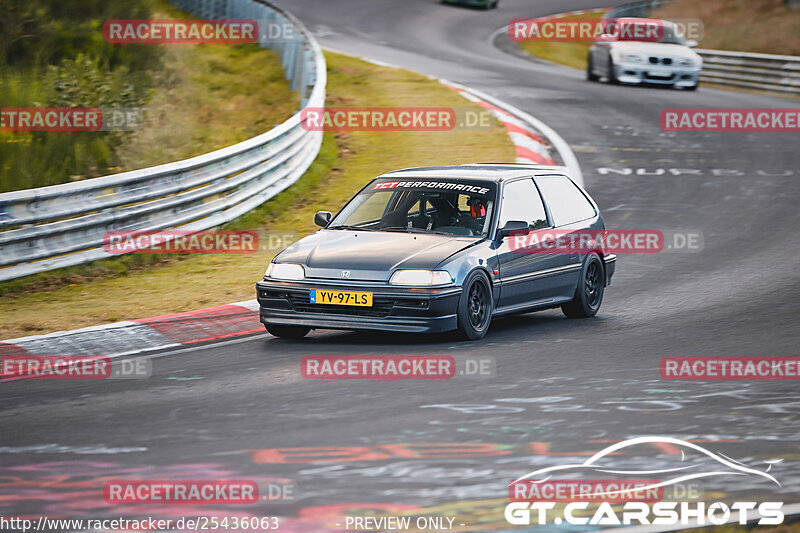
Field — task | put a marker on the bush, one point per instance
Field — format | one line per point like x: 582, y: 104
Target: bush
x: 53, y: 54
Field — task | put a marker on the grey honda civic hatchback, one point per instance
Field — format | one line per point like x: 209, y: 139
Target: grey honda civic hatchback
x: 436, y: 249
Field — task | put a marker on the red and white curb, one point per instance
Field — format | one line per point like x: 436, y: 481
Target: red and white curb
x: 531, y: 148
x: 144, y: 335
x: 536, y: 143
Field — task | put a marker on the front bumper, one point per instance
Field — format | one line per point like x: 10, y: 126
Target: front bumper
x: 610, y: 261
x: 403, y: 309
x: 641, y: 73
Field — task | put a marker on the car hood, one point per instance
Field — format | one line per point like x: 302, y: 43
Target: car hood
x: 654, y: 49
x: 370, y: 256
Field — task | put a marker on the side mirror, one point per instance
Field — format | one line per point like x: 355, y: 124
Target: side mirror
x: 692, y: 43
x: 512, y: 226
x: 322, y: 218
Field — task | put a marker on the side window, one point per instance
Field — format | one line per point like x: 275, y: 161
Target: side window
x: 521, y: 201
x: 566, y: 202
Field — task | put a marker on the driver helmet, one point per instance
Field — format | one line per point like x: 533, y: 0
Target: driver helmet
x: 477, y: 207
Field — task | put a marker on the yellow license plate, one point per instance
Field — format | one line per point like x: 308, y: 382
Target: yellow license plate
x: 361, y: 299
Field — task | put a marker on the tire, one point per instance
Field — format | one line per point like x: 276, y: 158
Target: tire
x: 612, y: 77
x: 590, y: 75
x: 693, y: 87
x: 288, y: 332
x: 475, y: 306
x: 590, y: 290
x: 496, y: 3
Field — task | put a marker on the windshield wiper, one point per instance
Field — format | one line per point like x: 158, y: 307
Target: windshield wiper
x: 356, y: 228
x: 414, y: 230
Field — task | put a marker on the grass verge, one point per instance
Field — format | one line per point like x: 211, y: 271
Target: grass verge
x: 570, y: 54
x: 144, y: 286
x: 208, y: 96
x: 195, y: 97
x: 765, y: 26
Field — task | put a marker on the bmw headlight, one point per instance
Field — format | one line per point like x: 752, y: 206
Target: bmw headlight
x: 632, y: 58
x: 420, y: 277
x: 685, y: 62
x: 285, y: 271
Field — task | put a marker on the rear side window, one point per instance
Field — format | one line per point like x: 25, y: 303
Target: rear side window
x: 521, y: 201
x: 566, y: 202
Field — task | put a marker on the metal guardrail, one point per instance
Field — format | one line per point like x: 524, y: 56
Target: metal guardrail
x: 635, y: 9
x: 63, y: 225
x: 752, y: 71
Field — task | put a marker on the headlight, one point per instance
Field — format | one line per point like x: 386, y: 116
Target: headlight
x: 685, y: 61
x: 632, y: 58
x: 285, y: 271
x: 420, y: 277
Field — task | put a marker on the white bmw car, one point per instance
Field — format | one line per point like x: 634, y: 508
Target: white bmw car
x: 665, y: 60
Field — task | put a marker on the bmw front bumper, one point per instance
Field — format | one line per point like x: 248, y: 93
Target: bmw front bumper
x: 402, y: 309
x: 640, y: 73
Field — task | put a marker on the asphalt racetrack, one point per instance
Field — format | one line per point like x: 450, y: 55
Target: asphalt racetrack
x: 563, y: 389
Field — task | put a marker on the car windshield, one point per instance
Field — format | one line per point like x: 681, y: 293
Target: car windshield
x: 672, y: 35
x: 444, y: 206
